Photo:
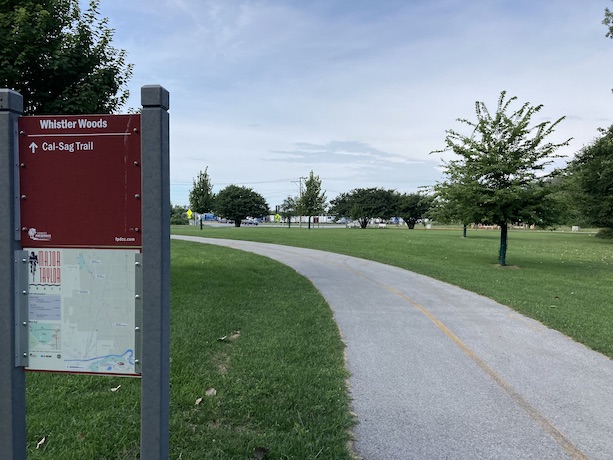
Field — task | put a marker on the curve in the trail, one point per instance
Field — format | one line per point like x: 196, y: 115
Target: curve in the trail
x: 438, y: 372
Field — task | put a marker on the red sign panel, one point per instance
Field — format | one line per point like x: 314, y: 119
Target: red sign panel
x: 80, y: 181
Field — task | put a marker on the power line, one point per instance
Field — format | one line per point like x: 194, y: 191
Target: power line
x: 299, y: 182
x: 189, y: 182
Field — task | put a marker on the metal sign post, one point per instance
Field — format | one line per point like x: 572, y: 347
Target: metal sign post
x: 155, y: 399
x: 12, y: 378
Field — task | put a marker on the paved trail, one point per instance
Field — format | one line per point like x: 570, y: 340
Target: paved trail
x: 441, y: 373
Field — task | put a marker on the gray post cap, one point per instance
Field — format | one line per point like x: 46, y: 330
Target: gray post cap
x: 154, y: 96
x: 11, y: 100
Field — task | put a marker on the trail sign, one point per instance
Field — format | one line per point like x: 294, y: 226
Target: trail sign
x: 85, y: 165
x: 80, y: 201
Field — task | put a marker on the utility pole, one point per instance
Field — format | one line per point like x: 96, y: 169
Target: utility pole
x: 300, y: 192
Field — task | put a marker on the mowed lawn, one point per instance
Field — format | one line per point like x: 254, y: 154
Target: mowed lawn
x: 257, y: 361
x: 563, y: 279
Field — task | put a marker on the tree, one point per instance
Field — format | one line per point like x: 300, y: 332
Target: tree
x: 313, y: 200
x: 60, y: 58
x: 413, y: 207
x: 500, y: 176
x: 565, y: 194
x: 178, y: 215
x: 201, y: 195
x: 289, y: 208
x: 364, y: 204
x: 608, y: 21
x: 591, y: 173
x: 237, y: 203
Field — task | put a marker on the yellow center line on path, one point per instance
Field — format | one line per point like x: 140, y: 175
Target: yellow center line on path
x: 539, y: 418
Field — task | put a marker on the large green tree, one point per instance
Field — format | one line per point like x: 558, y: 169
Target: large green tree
x: 499, y: 175
x: 591, y: 178
x: 201, y: 195
x: 60, y: 58
x: 312, y: 202
x: 413, y: 207
x: 237, y: 203
x: 364, y: 204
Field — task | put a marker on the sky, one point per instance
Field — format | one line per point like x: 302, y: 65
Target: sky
x: 262, y: 92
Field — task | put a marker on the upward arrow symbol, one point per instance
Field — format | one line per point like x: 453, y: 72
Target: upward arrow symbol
x: 33, y: 147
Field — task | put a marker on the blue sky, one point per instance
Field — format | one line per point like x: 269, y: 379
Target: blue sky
x: 359, y: 91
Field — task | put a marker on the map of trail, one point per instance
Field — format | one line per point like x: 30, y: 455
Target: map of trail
x: 82, y: 310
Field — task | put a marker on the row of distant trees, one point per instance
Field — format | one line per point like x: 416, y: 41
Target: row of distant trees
x: 361, y: 204
x: 233, y: 202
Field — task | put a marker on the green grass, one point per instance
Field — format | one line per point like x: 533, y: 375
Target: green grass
x: 564, y: 280
x: 280, y: 383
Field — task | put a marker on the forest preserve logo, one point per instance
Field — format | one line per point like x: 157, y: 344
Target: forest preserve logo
x: 35, y: 235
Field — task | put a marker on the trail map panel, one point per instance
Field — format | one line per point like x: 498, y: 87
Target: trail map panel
x: 82, y: 310
x: 80, y: 180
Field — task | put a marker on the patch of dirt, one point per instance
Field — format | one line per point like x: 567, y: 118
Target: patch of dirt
x: 222, y: 363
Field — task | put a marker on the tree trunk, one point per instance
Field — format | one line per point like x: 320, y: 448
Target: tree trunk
x: 309, y: 227
x: 464, y: 231
x: 502, y: 254
x: 237, y: 222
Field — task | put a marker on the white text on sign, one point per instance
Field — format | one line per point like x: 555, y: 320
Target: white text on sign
x: 73, y: 124
x: 67, y: 146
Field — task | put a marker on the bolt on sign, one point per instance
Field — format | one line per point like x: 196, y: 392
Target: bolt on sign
x: 80, y: 207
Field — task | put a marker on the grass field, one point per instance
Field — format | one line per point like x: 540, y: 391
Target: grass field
x: 276, y: 381
x: 564, y: 280
x: 279, y: 375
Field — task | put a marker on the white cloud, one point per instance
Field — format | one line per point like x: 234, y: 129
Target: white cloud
x: 263, y: 91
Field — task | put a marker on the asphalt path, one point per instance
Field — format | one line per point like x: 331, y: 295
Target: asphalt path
x: 438, y: 372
